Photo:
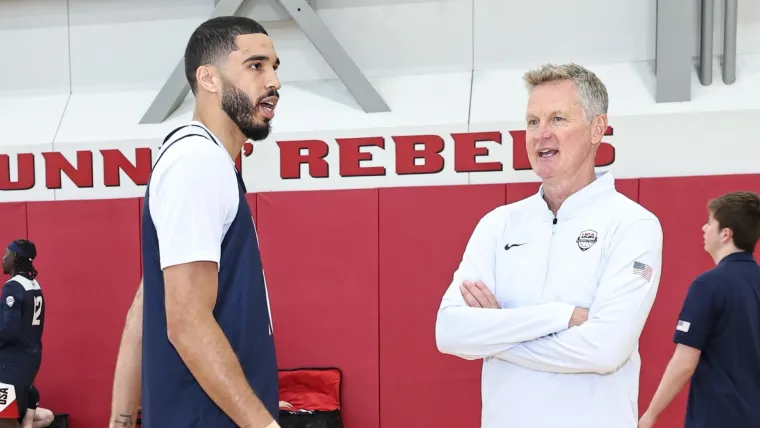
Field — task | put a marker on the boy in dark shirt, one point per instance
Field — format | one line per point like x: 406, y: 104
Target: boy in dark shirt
x: 718, y: 330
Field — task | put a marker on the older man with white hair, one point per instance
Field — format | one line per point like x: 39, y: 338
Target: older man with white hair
x: 553, y: 291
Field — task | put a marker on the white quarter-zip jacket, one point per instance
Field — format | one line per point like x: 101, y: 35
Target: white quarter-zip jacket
x: 603, y: 252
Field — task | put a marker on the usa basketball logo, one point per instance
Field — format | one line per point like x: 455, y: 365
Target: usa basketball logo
x: 586, y: 239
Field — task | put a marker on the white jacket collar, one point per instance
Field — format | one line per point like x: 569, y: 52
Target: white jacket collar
x: 582, y: 199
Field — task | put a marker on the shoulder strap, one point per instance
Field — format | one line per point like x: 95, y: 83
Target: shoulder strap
x: 208, y: 136
x: 172, y: 143
x: 169, y: 136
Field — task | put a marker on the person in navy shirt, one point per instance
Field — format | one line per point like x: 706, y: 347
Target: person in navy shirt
x: 23, y: 321
x: 202, y: 311
x: 718, y: 329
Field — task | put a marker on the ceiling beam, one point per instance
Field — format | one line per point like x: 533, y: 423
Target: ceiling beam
x: 337, y: 57
x: 176, y: 88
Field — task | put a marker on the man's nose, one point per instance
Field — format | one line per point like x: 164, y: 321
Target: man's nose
x: 544, y: 132
x: 272, y: 81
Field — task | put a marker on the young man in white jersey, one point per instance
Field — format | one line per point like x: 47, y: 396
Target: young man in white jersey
x: 197, y: 348
x: 553, y: 291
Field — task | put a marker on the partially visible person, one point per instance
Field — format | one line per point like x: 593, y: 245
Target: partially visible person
x: 718, y: 331
x: 36, y: 416
x: 553, y: 291
x: 23, y: 320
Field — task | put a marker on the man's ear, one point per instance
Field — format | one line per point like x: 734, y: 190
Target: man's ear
x: 598, y: 128
x: 727, y: 234
x: 208, y: 78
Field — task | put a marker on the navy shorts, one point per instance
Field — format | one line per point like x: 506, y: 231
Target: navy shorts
x: 22, y: 399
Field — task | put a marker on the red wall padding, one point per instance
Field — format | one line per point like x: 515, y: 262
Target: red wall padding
x: 251, y: 198
x: 89, y: 264
x: 320, y: 252
x: 355, y: 278
x: 12, y: 223
x: 423, y: 232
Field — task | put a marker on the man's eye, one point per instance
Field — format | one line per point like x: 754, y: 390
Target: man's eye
x: 257, y: 66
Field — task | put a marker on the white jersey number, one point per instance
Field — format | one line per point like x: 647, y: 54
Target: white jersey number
x: 37, y: 310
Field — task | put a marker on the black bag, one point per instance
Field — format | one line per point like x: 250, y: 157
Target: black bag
x: 60, y: 421
x: 315, y: 397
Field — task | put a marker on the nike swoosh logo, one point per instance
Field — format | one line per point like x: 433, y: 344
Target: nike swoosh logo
x: 507, y: 247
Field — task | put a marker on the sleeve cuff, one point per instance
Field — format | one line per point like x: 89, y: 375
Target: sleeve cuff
x: 207, y: 257
x: 564, y: 312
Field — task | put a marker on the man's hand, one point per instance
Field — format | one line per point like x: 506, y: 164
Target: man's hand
x: 647, y: 421
x: 580, y: 315
x: 477, y: 295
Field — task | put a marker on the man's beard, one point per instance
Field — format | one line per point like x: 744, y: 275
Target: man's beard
x: 240, y: 109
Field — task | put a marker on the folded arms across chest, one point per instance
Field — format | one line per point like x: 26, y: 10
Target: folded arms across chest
x: 539, y: 337
x: 471, y: 332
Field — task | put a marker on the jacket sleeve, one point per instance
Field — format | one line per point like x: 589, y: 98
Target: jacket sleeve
x: 473, y: 333
x: 12, y: 304
x: 617, y: 316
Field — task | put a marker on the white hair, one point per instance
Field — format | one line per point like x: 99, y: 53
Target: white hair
x: 591, y: 90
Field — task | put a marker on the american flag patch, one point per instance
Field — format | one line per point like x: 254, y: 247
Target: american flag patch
x: 642, y: 270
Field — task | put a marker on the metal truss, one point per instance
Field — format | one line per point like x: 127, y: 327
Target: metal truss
x: 176, y: 88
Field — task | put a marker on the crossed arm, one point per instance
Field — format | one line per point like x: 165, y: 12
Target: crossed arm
x: 534, y: 337
x: 472, y: 333
x: 616, y: 317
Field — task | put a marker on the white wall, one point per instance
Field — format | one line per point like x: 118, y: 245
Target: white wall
x: 81, y: 71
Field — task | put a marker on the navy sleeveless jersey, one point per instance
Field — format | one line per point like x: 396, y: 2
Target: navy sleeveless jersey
x: 21, y: 335
x: 171, y: 397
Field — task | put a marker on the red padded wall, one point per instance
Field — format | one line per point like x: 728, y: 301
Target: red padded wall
x: 320, y: 254
x: 423, y: 233
x: 12, y: 223
x: 89, y: 269
x: 680, y: 204
x: 251, y: 198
